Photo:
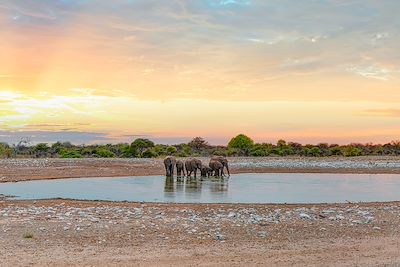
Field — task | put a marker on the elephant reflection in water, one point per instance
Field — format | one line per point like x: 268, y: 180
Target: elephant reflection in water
x: 193, y: 186
x: 169, y: 186
x: 172, y: 186
x: 180, y: 185
x: 219, y: 185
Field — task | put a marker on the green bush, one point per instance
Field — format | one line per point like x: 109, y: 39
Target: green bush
x: 220, y: 152
x: 5, y: 151
x: 40, y: 150
x: 313, y: 151
x: 261, y: 150
x: 335, y: 151
x: 241, y: 142
x: 171, y: 150
x: 149, y: 153
x: 65, y: 153
x: 104, y: 153
x: 350, y: 151
x: 258, y: 153
x: 181, y: 154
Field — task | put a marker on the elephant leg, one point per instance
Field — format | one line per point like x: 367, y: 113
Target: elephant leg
x: 172, y: 170
x: 168, y: 171
x: 195, y: 172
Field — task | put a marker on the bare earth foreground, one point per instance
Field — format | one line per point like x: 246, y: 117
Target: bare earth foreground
x: 94, y: 233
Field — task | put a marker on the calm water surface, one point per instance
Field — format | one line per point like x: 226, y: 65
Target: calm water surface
x: 239, y: 188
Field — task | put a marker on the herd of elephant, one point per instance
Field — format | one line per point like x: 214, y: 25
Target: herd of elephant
x: 215, y: 167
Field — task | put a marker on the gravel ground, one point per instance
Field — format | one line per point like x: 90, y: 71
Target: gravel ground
x: 79, y: 233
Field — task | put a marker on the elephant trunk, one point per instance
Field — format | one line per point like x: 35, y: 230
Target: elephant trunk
x: 227, y: 168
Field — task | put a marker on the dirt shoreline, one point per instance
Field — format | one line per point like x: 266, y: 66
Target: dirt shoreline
x: 14, y: 170
x: 63, y: 232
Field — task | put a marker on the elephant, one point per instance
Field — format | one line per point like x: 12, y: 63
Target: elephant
x: 205, y: 171
x: 223, y: 161
x: 216, y: 166
x: 180, y: 168
x: 169, y: 163
x: 192, y: 165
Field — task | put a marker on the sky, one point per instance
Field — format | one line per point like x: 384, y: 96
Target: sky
x: 111, y: 71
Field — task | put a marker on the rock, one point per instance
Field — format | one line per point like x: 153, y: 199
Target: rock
x: 328, y: 211
x: 305, y: 216
x: 232, y: 214
x: 376, y: 228
x: 262, y: 234
x: 363, y: 212
x: 369, y: 219
x: 219, y: 237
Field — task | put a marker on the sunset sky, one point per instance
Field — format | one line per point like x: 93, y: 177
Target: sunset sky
x: 109, y: 71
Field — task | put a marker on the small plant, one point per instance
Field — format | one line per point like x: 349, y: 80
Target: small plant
x: 28, y: 235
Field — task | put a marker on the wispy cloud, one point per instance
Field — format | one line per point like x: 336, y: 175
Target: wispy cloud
x: 76, y: 137
x: 371, y: 71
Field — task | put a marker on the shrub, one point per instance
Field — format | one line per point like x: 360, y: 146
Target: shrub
x: 258, y: 153
x: 171, y: 150
x: 149, y: 153
x: 219, y: 152
x: 233, y: 152
x: 40, y: 150
x: 261, y: 150
x: 350, y: 151
x: 5, y: 151
x: 65, y: 153
x: 104, y: 153
x: 313, y: 152
x: 28, y: 235
x: 335, y: 151
x: 181, y: 154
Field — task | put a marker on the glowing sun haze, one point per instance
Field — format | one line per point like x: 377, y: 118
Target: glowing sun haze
x: 108, y: 71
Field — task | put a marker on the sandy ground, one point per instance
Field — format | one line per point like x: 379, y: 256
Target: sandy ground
x: 78, y: 233
x: 95, y: 233
x: 12, y: 170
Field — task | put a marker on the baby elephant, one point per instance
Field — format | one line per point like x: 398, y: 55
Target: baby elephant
x: 180, y: 168
x: 205, y: 171
x: 169, y: 163
x: 216, y: 167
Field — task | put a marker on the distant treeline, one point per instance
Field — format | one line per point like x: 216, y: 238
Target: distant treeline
x: 241, y: 145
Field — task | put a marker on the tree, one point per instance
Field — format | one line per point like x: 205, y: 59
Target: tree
x: 5, y: 150
x: 241, y: 142
x: 40, y: 150
x: 198, y: 144
x: 140, y: 145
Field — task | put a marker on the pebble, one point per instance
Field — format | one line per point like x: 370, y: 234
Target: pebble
x: 219, y: 237
x: 305, y: 216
